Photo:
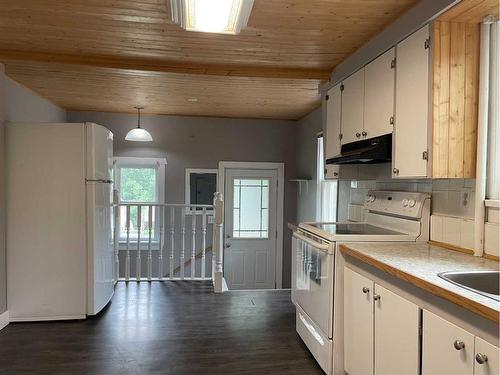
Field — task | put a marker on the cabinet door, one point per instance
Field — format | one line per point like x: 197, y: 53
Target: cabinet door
x: 352, y: 107
x: 397, y: 338
x: 446, y: 348
x: 486, y: 358
x: 332, y: 128
x: 358, y: 323
x: 379, y: 96
x: 412, y: 106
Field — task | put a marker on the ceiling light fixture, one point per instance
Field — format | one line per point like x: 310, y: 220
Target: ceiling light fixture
x: 210, y: 16
x: 138, y: 134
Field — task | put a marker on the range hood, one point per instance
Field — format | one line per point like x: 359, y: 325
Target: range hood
x: 367, y: 151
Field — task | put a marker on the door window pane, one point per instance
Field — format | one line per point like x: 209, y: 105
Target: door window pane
x: 250, y: 208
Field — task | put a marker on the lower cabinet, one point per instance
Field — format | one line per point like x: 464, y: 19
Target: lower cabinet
x: 449, y: 349
x: 381, y: 329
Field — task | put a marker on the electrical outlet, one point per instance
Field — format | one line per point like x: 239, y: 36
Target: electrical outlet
x: 354, y: 184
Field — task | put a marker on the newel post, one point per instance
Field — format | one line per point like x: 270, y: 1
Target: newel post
x: 218, y: 241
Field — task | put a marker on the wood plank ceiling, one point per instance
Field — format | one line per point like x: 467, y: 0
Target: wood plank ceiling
x: 109, y: 55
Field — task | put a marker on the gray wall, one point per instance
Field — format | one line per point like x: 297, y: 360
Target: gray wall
x: 17, y: 104
x: 199, y: 142
x: 307, y: 129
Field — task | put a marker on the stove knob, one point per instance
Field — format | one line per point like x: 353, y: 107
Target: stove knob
x: 412, y: 203
x: 405, y: 202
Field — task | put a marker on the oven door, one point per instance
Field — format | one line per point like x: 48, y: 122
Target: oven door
x: 312, y: 287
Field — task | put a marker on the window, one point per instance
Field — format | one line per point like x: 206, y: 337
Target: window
x: 326, y: 193
x: 493, y: 157
x: 139, y: 180
x: 201, y: 184
x: 250, y: 208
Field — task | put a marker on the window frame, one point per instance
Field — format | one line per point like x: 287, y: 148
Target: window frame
x: 159, y: 164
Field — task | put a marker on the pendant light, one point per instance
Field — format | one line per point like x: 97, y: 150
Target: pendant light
x: 138, y: 134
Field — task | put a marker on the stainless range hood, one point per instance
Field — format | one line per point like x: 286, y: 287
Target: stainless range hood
x: 368, y: 151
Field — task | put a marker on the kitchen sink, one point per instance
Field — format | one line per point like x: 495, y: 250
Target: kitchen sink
x: 486, y: 283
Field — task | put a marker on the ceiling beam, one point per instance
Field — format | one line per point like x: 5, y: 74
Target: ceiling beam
x: 149, y: 65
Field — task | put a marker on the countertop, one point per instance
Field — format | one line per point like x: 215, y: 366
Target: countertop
x: 420, y: 263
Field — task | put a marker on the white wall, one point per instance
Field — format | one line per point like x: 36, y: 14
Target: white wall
x: 17, y: 104
x: 307, y: 129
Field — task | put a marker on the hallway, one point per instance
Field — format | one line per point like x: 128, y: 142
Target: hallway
x: 165, y: 328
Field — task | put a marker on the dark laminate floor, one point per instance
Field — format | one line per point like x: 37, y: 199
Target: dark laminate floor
x: 165, y: 328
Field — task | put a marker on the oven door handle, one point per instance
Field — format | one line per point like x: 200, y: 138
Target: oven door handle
x: 313, y: 243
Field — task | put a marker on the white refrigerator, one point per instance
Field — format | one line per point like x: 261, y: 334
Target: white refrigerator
x: 60, y: 255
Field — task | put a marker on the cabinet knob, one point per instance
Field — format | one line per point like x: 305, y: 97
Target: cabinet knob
x: 376, y: 297
x: 395, y: 171
x: 481, y: 358
x: 358, y: 135
x: 366, y: 290
x: 364, y: 133
x: 459, y: 345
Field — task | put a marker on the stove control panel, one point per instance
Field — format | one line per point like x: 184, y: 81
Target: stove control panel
x: 399, y: 203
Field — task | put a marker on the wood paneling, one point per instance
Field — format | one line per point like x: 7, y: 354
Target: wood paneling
x: 455, y: 92
x: 117, y: 90
x: 471, y: 11
x: 288, y: 48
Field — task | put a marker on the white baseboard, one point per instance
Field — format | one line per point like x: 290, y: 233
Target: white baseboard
x: 48, y: 318
x: 4, y: 320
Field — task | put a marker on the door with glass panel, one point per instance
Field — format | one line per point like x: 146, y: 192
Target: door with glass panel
x: 250, y: 228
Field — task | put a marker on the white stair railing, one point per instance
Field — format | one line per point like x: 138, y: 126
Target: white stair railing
x: 142, y: 229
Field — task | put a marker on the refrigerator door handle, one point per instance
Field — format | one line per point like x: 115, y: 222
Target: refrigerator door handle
x: 100, y: 180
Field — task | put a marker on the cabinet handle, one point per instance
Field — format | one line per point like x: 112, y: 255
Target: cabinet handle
x: 376, y: 297
x: 395, y: 171
x: 364, y: 133
x: 459, y: 345
x: 481, y: 358
x: 358, y: 135
x: 366, y: 290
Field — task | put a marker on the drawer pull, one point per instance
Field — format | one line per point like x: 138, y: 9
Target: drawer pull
x: 481, y: 358
x: 459, y: 345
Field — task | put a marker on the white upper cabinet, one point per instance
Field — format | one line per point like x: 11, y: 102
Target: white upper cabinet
x: 332, y: 128
x: 352, y: 107
x: 412, y: 115
x: 379, y: 95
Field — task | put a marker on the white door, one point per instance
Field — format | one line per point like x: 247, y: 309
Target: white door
x: 412, y: 106
x: 446, y: 348
x: 332, y: 128
x: 250, y: 229
x: 397, y: 341
x: 358, y: 323
x: 352, y: 107
x: 379, y: 96
x: 487, y: 358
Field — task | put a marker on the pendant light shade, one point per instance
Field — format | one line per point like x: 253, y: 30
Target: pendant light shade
x: 138, y: 134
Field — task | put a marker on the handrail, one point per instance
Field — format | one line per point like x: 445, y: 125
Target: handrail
x: 183, y: 241
x: 142, y: 204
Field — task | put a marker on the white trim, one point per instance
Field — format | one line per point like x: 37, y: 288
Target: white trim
x: 187, y: 185
x: 4, y: 319
x: 139, y: 160
x: 280, y: 167
x: 48, y: 318
x: 492, y: 203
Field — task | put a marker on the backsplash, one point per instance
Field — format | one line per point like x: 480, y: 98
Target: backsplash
x: 450, y: 197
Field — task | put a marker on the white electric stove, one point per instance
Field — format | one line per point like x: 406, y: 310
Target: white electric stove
x: 389, y: 216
